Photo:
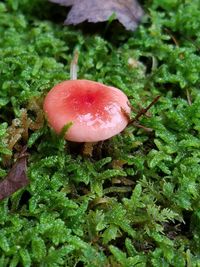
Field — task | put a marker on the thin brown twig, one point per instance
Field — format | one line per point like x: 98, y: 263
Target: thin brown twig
x: 144, y: 110
x: 142, y: 127
x: 173, y: 38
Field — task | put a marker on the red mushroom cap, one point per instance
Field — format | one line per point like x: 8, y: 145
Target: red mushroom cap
x: 97, y: 111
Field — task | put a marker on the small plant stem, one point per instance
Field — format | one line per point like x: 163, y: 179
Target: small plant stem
x: 74, y: 66
x: 188, y: 98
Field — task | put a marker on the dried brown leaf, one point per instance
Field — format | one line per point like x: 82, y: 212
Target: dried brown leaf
x: 16, y: 177
x: 128, y: 12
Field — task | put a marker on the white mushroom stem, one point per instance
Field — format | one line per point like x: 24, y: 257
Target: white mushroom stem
x: 74, y: 66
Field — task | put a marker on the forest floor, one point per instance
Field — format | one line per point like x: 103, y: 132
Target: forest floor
x: 134, y: 200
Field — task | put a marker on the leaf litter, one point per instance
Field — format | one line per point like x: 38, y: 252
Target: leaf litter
x: 128, y: 12
x: 16, y: 178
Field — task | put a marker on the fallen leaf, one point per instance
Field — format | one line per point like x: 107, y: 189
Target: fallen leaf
x: 16, y: 178
x: 128, y: 12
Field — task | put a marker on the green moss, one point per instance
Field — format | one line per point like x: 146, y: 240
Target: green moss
x: 135, y: 202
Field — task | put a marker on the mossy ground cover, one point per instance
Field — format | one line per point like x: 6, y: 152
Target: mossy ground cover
x: 133, y: 202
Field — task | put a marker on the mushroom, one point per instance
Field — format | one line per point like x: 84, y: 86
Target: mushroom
x: 97, y: 111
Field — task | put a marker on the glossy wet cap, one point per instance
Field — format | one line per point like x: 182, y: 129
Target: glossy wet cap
x: 97, y: 111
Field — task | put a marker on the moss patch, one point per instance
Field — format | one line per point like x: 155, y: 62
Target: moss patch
x: 135, y: 201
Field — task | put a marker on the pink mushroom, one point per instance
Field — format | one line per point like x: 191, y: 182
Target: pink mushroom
x: 97, y: 111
